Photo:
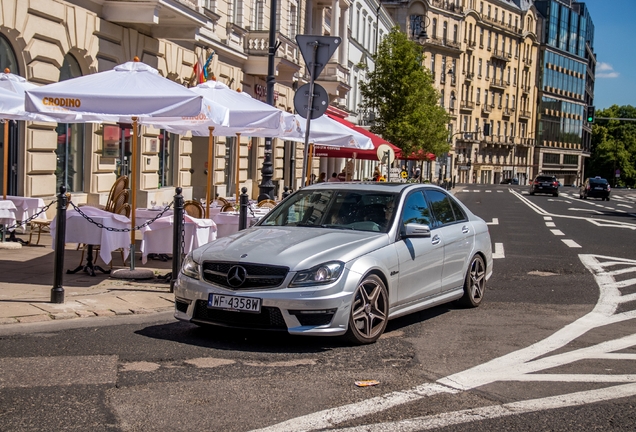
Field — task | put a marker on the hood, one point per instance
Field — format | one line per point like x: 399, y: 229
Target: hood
x: 293, y: 247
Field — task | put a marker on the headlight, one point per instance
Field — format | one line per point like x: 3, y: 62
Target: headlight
x: 190, y: 267
x: 322, y: 274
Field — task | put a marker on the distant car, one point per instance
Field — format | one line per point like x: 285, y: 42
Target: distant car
x: 511, y: 181
x: 340, y: 259
x: 595, y: 187
x: 545, y: 184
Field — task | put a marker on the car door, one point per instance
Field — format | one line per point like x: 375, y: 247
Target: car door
x: 457, y: 235
x: 420, y: 259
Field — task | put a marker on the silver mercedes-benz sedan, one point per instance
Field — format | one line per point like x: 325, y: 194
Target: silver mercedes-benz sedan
x: 340, y: 259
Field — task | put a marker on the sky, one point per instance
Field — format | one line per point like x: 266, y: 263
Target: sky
x: 615, y: 48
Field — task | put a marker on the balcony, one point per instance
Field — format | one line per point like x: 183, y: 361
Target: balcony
x: 527, y: 61
x: 286, y: 62
x: 506, y: 112
x: 467, y: 105
x: 501, y: 55
x: 443, y: 42
x: 527, y: 142
x: 447, y: 5
x: 498, y: 83
x: 525, y: 88
x: 470, y: 45
x: 174, y: 20
x: 486, y: 109
x: 469, y: 76
x: 525, y: 114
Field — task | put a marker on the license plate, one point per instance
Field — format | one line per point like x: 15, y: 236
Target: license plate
x: 598, y: 188
x: 545, y: 184
x: 234, y: 303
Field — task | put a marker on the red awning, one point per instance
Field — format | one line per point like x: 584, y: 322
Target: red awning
x: 421, y: 155
x: 348, y: 152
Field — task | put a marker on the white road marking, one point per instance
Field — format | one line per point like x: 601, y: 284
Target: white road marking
x: 571, y: 243
x: 488, y: 191
x: 585, y: 210
x: 476, y: 190
x: 547, y: 218
x: 550, y: 224
x: 593, y: 220
x: 497, y: 411
x: 521, y: 365
x: 557, y: 232
x: 500, y: 191
x: 331, y: 417
x: 465, y: 190
x: 499, y: 251
x: 495, y: 221
x: 624, y: 205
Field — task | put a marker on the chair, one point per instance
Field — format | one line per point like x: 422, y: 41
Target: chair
x: 193, y: 208
x: 220, y: 201
x: 227, y: 208
x: 41, y: 224
x: 268, y: 203
x: 120, y: 184
x: 118, y: 201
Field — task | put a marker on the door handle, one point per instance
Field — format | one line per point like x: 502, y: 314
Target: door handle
x: 436, y: 240
x: 465, y: 229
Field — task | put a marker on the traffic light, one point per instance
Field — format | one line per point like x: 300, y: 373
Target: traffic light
x: 590, y: 114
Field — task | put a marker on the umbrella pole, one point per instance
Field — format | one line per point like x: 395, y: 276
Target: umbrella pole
x: 208, y: 193
x: 5, y: 172
x: 133, y: 191
x: 309, y: 162
x: 238, y: 164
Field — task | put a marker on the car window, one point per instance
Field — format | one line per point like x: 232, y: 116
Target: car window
x: 340, y: 209
x: 545, y: 179
x: 441, y: 207
x: 460, y: 215
x: 598, y: 182
x: 416, y: 210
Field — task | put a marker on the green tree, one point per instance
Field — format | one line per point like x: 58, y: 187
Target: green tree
x: 614, y: 145
x: 400, y: 91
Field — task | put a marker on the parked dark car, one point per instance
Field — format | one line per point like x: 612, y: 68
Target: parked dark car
x: 544, y: 184
x: 510, y: 181
x: 595, y: 187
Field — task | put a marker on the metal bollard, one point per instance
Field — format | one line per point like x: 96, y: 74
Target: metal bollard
x: 177, y: 237
x: 57, y: 292
x: 244, y: 202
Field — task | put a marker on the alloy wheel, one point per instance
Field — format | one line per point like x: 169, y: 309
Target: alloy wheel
x: 369, y: 311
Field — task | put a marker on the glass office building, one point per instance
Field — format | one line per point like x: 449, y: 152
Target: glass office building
x: 566, y: 88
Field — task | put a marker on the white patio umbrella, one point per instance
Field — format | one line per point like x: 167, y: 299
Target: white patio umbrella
x: 132, y: 92
x: 324, y: 131
x: 12, y: 88
x: 246, y: 115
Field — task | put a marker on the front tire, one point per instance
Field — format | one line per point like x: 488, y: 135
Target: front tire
x: 474, y: 283
x: 369, y: 311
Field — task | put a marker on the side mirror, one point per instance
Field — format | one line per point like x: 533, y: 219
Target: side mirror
x: 416, y: 230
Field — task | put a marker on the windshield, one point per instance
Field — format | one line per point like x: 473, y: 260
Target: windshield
x: 339, y: 209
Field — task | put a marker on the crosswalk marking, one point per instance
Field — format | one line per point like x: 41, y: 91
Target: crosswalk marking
x: 499, y: 251
x: 495, y: 221
x: 571, y: 243
x: 557, y: 232
x: 550, y: 224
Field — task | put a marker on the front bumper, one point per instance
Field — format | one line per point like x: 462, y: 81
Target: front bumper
x: 316, y: 310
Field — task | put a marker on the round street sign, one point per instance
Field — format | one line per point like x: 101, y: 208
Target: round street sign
x: 320, y: 103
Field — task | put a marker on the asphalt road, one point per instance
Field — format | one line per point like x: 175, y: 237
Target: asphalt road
x: 551, y: 348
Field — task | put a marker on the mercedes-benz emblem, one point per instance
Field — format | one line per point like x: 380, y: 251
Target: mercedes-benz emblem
x: 236, y: 276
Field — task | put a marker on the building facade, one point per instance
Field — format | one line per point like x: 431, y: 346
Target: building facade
x: 566, y: 89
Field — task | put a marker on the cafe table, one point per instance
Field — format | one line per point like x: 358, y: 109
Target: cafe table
x: 80, y: 230
x: 227, y: 223
x: 7, y: 215
x: 157, y: 238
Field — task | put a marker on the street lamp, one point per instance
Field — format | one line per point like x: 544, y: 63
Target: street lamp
x: 419, y: 23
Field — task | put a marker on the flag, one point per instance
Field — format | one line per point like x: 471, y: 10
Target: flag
x: 207, y: 65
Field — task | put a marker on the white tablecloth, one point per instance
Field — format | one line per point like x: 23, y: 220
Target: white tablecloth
x: 7, y: 212
x: 27, y: 207
x: 157, y: 237
x: 228, y: 223
x: 79, y: 230
x: 143, y: 215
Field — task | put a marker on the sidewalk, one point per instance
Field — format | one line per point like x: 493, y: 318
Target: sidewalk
x: 26, y: 279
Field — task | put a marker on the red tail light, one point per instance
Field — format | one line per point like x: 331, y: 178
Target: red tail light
x: 608, y: 188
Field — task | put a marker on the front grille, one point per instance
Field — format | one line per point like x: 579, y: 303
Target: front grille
x: 257, y: 275
x: 270, y: 318
x: 181, y: 306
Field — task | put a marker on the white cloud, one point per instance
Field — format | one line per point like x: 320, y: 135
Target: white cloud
x: 605, y: 70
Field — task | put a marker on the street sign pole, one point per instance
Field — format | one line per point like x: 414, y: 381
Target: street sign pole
x: 310, y: 105
x: 316, y: 51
